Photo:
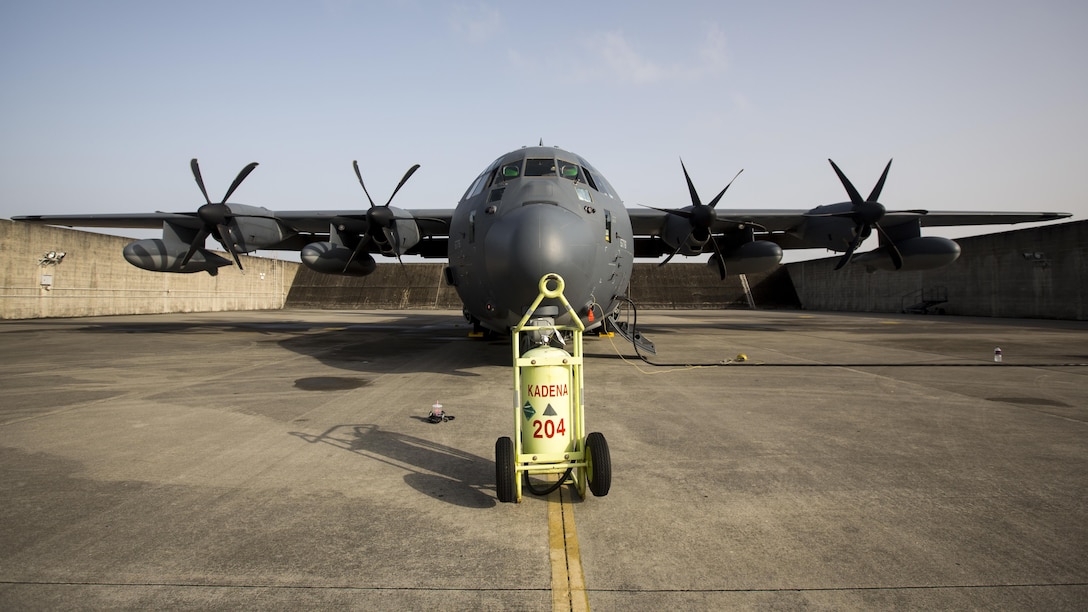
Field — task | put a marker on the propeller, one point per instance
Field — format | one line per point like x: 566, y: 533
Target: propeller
x: 379, y: 218
x: 701, y: 217
x: 215, y: 216
x: 866, y: 214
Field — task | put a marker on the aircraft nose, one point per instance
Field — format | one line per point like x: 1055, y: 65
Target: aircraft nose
x: 539, y: 239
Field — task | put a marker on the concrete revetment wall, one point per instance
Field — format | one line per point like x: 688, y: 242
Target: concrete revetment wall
x: 1039, y: 272
x: 94, y: 279
x: 390, y: 286
x: 423, y: 286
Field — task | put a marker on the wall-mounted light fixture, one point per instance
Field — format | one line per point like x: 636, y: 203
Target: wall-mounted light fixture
x: 51, y: 258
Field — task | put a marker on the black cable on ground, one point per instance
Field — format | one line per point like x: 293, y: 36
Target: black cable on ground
x: 547, y: 491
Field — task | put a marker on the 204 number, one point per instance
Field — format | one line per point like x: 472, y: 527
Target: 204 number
x: 549, y: 429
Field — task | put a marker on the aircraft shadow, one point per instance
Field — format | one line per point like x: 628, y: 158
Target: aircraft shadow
x: 438, y: 471
x: 406, y: 343
x: 380, y: 351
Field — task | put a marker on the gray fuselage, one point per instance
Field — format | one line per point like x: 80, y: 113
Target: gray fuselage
x: 535, y: 211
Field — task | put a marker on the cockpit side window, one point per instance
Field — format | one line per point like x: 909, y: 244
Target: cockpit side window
x: 596, y: 180
x: 570, y: 171
x: 540, y: 167
x: 508, y: 171
x: 589, y: 178
x: 477, y: 186
x: 604, y: 187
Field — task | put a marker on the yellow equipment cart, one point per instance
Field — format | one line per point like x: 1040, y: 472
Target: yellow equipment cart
x: 549, y: 409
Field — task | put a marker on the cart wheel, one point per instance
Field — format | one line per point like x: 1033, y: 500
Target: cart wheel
x: 598, y: 464
x: 504, y: 469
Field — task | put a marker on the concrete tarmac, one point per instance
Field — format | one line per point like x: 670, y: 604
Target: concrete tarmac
x: 281, y: 459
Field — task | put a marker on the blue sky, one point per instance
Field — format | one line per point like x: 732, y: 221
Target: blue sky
x: 982, y: 104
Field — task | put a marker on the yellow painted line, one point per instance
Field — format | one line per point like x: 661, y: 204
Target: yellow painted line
x: 568, y: 581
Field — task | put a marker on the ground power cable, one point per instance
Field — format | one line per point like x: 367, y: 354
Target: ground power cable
x: 632, y: 322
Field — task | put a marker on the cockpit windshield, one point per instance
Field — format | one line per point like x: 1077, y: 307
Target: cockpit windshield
x: 539, y: 167
x: 547, y: 167
x: 513, y: 166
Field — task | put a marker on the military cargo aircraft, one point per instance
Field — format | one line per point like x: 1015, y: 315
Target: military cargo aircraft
x: 535, y: 211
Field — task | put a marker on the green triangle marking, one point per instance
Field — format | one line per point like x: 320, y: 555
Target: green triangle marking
x: 549, y: 411
x: 528, y: 411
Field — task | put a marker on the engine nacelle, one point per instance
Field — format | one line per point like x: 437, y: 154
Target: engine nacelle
x: 407, y: 230
x: 254, y: 227
x: 752, y: 258
x: 329, y: 258
x: 832, y: 233
x: 156, y: 255
x: 677, y: 230
x: 921, y: 253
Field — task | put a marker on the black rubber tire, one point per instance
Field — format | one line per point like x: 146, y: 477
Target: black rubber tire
x: 599, y: 468
x: 504, y: 470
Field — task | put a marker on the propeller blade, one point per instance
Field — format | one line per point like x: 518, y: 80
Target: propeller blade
x: 358, y: 249
x: 879, y: 184
x: 850, y: 251
x: 714, y: 202
x: 670, y: 211
x: 897, y: 257
x: 238, y: 180
x: 355, y: 164
x: 393, y: 239
x: 691, y: 187
x: 719, y: 258
x: 845, y: 259
x: 198, y: 242
x: 404, y: 180
x: 669, y: 258
x: 199, y: 179
x: 678, y: 247
x: 855, y: 197
x: 224, y: 234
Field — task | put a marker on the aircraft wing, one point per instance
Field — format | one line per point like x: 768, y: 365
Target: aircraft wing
x: 137, y: 220
x: 431, y: 222
x: 650, y: 222
x: 644, y: 221
x: 750, y: 240
x: 948, y: 218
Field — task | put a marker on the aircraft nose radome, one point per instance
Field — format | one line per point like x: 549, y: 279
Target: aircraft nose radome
x: 535, y: 240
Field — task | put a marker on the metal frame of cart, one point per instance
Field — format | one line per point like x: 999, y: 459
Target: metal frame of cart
x: 586, y: 462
